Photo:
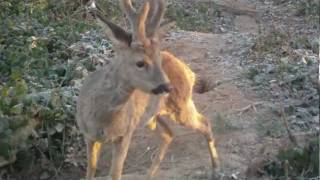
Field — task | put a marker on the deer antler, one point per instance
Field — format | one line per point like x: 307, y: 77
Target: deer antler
x: 129, y: 10
x: 137, y: 20
x: 157, y: 8
x: 141, y: 25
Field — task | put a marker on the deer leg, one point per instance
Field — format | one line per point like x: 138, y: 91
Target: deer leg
x: 166, y: 135
x: 93, y: 152
x: 205, y: 128
x: 191, y: 118
x: 119, y: 154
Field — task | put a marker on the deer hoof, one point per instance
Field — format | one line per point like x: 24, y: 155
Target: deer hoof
x: 216, y: 174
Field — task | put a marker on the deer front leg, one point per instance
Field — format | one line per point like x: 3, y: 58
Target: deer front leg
x: 93, y: 152
x: 119, y: 154
x: 166, y: 135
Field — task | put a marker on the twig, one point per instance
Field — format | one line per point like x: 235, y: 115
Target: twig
x: 286, y: 169
x: 145, y: 152
x: 50, y: 162
x: 252, y: 105
x: 285, y: 122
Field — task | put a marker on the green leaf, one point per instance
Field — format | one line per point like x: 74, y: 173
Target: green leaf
x: 4, y: 124
x: 17, y: 109
x: 59, y: 127
x: 5, y: 150
x: 16, y: 74
x: 21, y: 89
x: 5, y: 91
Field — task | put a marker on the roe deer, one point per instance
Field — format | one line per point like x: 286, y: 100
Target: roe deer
x: 114, y: 99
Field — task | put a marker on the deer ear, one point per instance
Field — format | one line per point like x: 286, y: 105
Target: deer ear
x: 116, y: 34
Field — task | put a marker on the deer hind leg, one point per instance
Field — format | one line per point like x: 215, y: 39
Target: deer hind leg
x: 205, y: 129
x: 201, y: 124
x: 166, y: 135
x: 119, y: 154
x: 93, y: 152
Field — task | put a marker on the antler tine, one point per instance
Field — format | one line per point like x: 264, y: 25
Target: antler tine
x: 155, y: 18
x: 129, y: 10
x: 137, y: 19
x: 141, y: 24
x: 153, y: 9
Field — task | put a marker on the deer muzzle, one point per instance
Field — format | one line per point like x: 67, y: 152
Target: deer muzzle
x: 163, y: 88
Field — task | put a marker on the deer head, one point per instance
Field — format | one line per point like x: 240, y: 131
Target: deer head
x: 138, y: 52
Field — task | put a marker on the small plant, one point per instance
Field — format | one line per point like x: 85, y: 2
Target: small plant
x: 36, y: 103
x: 300, y: 163
x: 270, y: 42
x: 195, y: 19
x: 269, y: 126
x: 221, y: 124
x: 307, y: 8
x: 251, y: 73
x: 111, y: 8
x: 310, y: 10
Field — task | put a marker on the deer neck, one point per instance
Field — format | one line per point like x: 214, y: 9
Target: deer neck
x: 120, y: 89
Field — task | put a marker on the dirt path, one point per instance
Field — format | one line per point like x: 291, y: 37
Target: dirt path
x: 220, y: 96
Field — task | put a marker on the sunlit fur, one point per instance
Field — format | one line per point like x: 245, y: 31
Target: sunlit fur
x: 179, y: 107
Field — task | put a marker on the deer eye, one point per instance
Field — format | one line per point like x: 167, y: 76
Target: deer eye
x: 140, y: 64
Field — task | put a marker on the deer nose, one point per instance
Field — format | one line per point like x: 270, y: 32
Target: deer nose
x: 162, y: 88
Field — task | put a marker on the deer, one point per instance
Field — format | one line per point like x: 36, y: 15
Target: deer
x: 114, y: 99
